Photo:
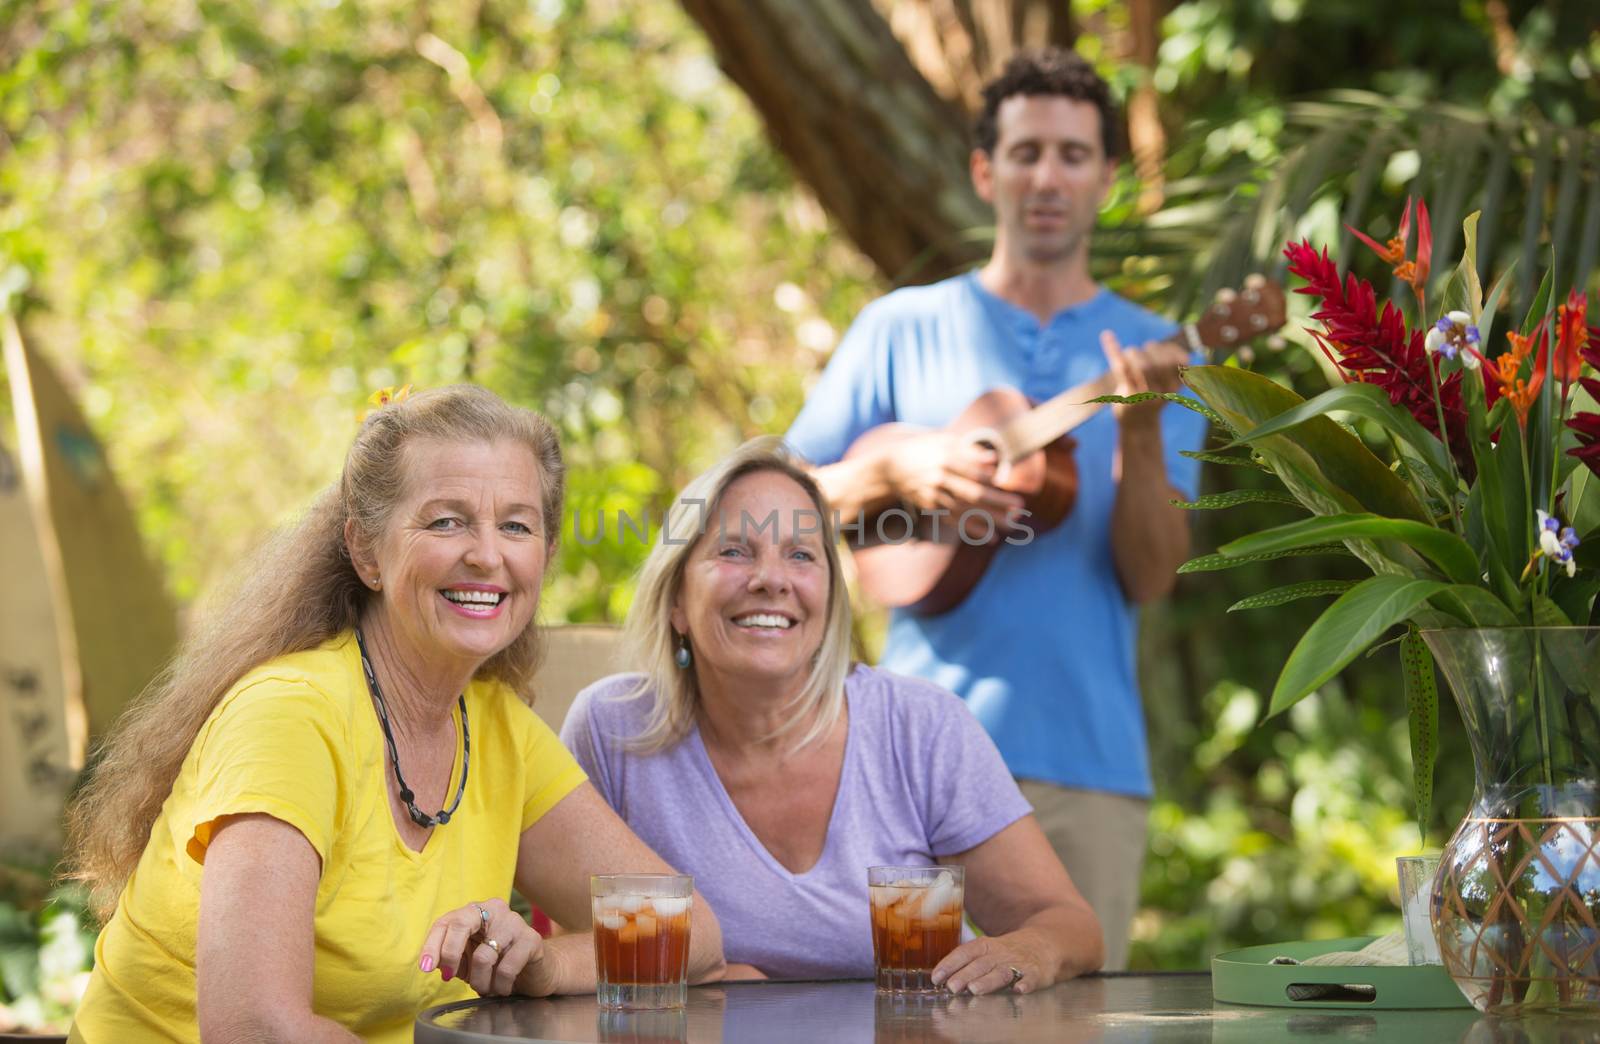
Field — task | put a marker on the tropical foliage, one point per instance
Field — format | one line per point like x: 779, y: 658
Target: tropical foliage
x: 1461, y: 524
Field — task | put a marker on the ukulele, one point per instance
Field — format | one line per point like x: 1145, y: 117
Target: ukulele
x: 913, y: 559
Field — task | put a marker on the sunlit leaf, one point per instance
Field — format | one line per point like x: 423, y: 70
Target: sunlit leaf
x: 1351, y: 624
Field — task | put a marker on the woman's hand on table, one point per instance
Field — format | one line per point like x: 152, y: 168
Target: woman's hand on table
x: 1033, y: 917
x: 491, y: 946
x: 986, y: 966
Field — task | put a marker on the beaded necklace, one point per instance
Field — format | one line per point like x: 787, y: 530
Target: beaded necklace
x: 418, y: 816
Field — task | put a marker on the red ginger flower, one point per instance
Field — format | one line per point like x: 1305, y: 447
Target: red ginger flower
x: 1375, y: 348
x: 1587, y: 425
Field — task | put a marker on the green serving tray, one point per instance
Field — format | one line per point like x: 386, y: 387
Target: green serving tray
x: 1246, y: 977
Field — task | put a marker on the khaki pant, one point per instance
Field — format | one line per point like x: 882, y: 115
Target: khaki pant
x: 1100, y: 838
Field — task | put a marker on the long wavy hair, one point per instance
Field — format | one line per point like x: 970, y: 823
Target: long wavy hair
x: 299, y: 592
x: 650, y: 641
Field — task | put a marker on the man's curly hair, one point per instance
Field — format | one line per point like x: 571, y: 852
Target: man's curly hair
x: 1045, y: 73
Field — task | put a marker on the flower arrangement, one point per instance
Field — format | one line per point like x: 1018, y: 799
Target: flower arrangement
x: 1475, y: 501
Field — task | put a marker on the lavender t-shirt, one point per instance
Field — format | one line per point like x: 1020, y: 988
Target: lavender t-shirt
x: 921, y: 779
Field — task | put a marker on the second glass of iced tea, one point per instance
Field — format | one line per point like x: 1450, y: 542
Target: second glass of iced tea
x: 641, y: 939
x: 916, y: 922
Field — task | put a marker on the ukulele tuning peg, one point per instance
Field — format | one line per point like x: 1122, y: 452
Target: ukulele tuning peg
x: 1276, y: 343
x: 1226, y: 296
x: 1246, y: 354
x: 1255, y: 281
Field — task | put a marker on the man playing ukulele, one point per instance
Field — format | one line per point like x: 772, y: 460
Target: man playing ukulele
x: 1043, y: 649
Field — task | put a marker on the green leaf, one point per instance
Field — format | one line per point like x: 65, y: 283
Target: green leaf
x: 1231, y: 460
x: 1446, y: 550
x: 1371, y: 402
x: 1570, y: 664
x: 1454, y: 294
x: 1469, y: 266
x: 1326, y: 467
x: 1486, y: 320
x: 1496, y: 503
x: 1176, y: 398
x: 1475, y: 606
x: 1292, y: 593
x: 1344, y: 631
x: 1540, y: 305
x: 1127, y: 400
x: 1575, y: 597
x: 1583, y: 500
x: 1217, y: 560
x: 1547, y: 614
x: 1422, y: 713
x: 1235, y: 497
x: 1515, y: 512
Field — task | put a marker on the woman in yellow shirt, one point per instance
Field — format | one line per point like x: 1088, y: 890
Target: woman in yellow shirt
x: 309, y: 827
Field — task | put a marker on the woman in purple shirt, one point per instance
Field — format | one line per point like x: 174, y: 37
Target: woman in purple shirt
x: 751, y: 754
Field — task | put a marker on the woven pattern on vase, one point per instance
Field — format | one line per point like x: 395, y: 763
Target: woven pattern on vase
x: 1518, y: 911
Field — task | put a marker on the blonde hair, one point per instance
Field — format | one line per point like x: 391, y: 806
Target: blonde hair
x: 650, y: 640
x: 299, y: 592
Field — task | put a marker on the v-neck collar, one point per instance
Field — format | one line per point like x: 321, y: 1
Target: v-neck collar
x: 702, y: 759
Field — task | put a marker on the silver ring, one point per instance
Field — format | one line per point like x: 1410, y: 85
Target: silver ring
x: 496, y: 947
x: 482, y: 913
x: 1016, y: 976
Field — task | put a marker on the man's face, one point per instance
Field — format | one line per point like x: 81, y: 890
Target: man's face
x: 1047, y: 176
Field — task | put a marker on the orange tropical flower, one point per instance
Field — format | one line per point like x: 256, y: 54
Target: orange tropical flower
x: 1393, y: 253
x: 1572, y: 337
x: 1507, y: 371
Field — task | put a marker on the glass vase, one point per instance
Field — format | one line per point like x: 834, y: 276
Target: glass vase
x: 1517, y: 899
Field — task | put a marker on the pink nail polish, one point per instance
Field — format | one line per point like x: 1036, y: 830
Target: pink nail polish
x: 427, y: 963
x: 446, y: 974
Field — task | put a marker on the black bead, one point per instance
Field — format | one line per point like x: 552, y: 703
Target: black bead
x: 407, y: 796
x: 443, y: 818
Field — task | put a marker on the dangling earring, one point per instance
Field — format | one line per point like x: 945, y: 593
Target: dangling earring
x: 682, y: 657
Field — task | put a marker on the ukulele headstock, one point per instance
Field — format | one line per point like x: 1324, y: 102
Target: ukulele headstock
x: 1237, y: 316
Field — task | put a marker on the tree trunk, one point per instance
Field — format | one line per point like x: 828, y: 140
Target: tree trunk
x: 886, y: 156
x: 960, y: 44
x: 1147, y: 139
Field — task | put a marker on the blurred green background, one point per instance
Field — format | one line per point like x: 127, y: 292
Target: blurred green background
x: 227, y: 223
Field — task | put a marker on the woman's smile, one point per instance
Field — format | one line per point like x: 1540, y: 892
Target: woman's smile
x: 477, y: 601
x: 764, y: 622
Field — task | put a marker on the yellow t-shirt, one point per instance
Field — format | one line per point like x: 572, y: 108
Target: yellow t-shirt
x: 299, y: 739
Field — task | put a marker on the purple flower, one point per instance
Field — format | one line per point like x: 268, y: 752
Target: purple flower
x: 1450, y: 335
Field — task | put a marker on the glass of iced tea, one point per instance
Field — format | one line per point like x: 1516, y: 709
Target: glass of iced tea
x: 641, y: 939
x: 916, y: 921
